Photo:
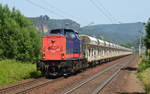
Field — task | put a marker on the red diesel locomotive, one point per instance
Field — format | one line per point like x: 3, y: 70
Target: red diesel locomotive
x: 61, y: 53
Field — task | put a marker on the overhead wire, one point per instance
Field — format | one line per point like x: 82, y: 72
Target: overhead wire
x: 45, y: 9
x: 101, y: 11
x: 50, y: 5
x: 66, y: 14
x: 61, y: 13
x: 106, y: 10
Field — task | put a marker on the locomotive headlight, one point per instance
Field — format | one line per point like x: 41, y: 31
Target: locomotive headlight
x: 62, y: 55
x: 52, y: 41
x: 43, y: 54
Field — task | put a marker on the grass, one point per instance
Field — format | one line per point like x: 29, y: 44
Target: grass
x: 144, y: 73
x: 12, y: 71
x: 145, y: 78
x: 143, y: 64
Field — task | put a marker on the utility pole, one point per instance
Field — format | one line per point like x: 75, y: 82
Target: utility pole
x: 140, y: 44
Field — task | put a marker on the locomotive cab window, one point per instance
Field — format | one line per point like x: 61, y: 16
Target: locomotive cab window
x: 70, y: 34
x: 77, y: 35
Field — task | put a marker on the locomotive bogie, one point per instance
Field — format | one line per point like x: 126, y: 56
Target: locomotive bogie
x: 54, y: 68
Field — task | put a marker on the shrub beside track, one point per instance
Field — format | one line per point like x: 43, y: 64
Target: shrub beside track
x: 144, y: 73
x: 12, y: 71
x: 19, y: 39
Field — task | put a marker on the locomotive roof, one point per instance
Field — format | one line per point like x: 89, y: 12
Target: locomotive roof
x: 65, y: 30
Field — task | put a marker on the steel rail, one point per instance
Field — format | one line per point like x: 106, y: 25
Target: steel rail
x: 38, y: 86
x: 97, y: 90
x: 90, y: 79
x: 19, y: 85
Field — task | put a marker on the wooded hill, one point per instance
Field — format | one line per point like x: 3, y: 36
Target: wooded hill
x: 117, y: 33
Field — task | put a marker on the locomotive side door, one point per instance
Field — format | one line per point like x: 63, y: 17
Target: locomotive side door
x: 69, y: 43
x: 77, y: 46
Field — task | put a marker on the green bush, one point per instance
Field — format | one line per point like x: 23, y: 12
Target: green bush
x: 12, y: 71
x: 144, y: 72
x: 143, y: 65
x: 19, y: 39
x: 147, y: 38
x: 145, y: 78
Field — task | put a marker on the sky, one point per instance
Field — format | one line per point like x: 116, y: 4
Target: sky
x: 85, y: 12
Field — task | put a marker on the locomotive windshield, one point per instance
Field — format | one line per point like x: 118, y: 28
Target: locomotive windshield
x: 70, y: 35
x: 55, y: 32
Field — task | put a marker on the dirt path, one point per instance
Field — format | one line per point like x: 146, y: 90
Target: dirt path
x: 126, y: 82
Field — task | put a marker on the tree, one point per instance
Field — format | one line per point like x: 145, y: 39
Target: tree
x: 147, y: 38
x: 128, y: 45
x: 19, y: 39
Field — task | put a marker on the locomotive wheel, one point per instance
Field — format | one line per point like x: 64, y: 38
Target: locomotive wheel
x: 73, y: 69
x: 43, y: 73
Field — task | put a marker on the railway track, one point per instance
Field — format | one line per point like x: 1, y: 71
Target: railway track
x: 96, y: 83
x: 25, y: 87
x: 41, y: 82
